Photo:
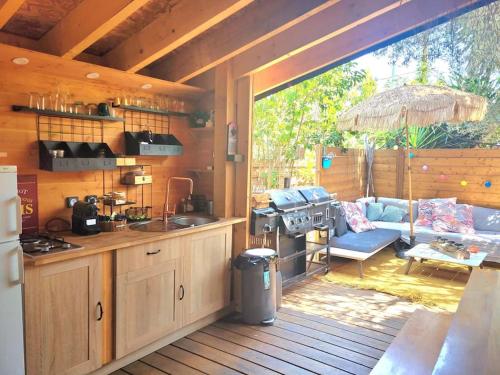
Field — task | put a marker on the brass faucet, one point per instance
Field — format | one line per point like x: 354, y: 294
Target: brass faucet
x: 166, y: 211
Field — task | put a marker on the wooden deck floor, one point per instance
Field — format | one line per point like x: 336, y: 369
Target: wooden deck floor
x: 322, y: 328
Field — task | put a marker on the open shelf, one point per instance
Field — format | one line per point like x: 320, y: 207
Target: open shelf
x: 314, y: 247
x: 50, y: 113
x: 163, y: 145
x: 109, y: 203
x: 151, y: 110
x: 78, y: 156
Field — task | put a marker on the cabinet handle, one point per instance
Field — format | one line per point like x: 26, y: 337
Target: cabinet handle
x: 101, y: 311
x: 153, y: 252
x: 181, y: 292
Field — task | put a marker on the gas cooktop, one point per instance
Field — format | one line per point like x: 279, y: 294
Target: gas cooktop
x: 41, y: 244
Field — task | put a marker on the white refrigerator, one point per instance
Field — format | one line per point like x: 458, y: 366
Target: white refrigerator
x: 11, y: 275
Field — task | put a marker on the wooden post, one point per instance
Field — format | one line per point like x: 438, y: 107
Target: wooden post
x: 400, y: 173
x: 243, y: 193
x: 224, y: 107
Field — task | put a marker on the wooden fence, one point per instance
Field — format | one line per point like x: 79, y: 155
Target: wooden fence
x: 346, y: 176
x: 436, y: 173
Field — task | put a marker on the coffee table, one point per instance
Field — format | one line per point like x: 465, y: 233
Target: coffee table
x: 424, y: 252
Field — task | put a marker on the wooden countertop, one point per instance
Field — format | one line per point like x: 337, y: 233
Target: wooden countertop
x: 107, y: 241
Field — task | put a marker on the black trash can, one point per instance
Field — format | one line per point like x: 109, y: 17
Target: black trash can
x: 258, y: 285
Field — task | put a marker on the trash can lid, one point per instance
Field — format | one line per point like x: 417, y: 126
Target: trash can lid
x: 254, y: 257
x: 261, y: 252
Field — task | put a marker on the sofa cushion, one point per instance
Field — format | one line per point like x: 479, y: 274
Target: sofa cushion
x: 366, y: 242
x: 340, y: 223
x: 464, y: 219
x: 401, y: 203
x: 486, y: 219
x: 355, y: 218
x: 425, y: 207
x: 365, y: 201
x: 393, y: 214
x: 443, y: 216
x: 374, y: 211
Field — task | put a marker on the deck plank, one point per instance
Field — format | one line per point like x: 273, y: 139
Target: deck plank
x: 356, y: 337
x: 140, y: 368
x: 298, y: 348
x: 168, y: 365
x: 331, y: 339
x: 326, y: 347
x: 195, y: 361
x: 266, y: 364
x: 323, y: 328
x: 223, y: 358
x: 265, y: 360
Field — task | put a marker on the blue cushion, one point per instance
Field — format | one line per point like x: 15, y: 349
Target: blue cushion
x: 486, y: 219
x: 401, y: 203
x: 374, y: 211
x: 393, y: 214
x: 366, y: 242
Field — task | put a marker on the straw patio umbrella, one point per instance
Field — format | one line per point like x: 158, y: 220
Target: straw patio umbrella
x: 414, y: 105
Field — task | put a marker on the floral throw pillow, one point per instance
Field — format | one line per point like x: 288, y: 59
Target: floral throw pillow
x: 443, y: 216
x: 355, y: 218
x: 464, y: 222
x: 425, y: 207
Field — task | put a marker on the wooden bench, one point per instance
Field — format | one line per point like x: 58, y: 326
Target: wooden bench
x: 416, y: 348
x: 473, y: 340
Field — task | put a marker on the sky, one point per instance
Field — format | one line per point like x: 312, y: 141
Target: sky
x: 381, y: 69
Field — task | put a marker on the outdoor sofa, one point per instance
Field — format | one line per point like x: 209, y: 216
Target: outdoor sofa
x: 361, y: 246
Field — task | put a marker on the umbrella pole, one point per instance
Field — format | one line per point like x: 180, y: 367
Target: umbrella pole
x: 410, y: 193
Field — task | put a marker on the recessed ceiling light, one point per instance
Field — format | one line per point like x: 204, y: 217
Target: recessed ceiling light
x: 20, y: 60
x: 93, y: 75
x: 147, y: 86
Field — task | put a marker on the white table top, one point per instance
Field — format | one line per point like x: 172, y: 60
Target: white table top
x: 425, y: 251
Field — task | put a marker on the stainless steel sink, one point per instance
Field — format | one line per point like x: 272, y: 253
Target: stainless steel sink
x: 192, y: 221
x: 174, y: 222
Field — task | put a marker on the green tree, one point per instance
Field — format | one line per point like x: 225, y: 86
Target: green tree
x: 290, y: 123
x: 469, y: 46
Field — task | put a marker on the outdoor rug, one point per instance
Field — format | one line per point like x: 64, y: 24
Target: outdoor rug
x: 433, y: 284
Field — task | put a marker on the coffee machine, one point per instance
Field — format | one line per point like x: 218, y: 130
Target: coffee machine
x: 85, y: 220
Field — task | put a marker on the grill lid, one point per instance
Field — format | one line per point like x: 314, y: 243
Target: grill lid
x: 286, y: 199
x: 314, y: 194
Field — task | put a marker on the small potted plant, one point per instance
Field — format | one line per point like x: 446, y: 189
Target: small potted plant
x: 198, y: 119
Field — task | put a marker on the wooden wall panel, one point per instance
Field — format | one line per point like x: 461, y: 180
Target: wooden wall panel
x: 18, y: 137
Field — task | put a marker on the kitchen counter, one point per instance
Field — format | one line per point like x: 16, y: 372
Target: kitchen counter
x: 106, y: 241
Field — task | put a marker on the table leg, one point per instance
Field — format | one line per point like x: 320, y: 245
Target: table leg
x: 360, y: 269
x: 408, y: 266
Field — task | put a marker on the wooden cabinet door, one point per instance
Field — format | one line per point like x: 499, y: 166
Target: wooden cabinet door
x: 207, y: 273
x: 63, y: 317
x: 147, y: 305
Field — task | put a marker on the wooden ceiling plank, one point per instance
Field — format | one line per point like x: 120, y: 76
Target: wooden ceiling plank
x: 87, y: 23
x: 259, y: 21
x: 184, y: 22
x: 7, y: 9
x: 327, y: 24
x: 77, y: 70
x: 409, y: 16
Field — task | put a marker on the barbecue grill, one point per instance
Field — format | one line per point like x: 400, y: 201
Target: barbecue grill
x: 291, y: 215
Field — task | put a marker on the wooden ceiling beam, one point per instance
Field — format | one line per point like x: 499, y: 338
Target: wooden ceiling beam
x: 409, y: 16
x: 85, y: 24
x: 7, y: 10
x: 327, y: 24
x: 258, y: 22
x: 44, y: 63
x: 184, y: 22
